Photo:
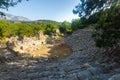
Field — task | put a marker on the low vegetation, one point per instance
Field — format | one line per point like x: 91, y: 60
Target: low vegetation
x: 21, y: 29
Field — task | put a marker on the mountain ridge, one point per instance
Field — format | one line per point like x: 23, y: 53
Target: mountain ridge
x: 11, y: 17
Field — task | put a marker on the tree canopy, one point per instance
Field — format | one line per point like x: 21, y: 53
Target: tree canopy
x: 87, y: 7
x: 107, y: 32
x: 77, y: 24
x: 104, y: 13
x: 65, y: 27
x: 5, y: 4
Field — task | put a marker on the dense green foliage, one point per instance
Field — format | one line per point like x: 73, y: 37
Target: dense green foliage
x: 106, y: 15
x: 87, y: 7
x: 78, y: 24
x: 75, y: 24
x: 65, y: 27
x: 107, y: 32
x: 8, y: 29
x: 4, y: 4
x: 21, y: 29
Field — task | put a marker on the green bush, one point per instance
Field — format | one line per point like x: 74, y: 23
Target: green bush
x: 8, y: 29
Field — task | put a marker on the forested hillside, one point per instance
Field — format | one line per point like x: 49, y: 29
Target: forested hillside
x: 31, y: 28
x: 22, y: 29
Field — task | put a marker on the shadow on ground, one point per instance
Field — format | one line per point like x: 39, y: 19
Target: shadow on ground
x: 17, y: 67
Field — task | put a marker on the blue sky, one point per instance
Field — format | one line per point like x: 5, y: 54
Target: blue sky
x: 58, y: 10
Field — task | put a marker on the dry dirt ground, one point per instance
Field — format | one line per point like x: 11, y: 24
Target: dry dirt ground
x: 53, y: 52
x: 58, y: 51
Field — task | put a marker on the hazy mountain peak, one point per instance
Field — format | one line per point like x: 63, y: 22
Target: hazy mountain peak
x: 14, y: 18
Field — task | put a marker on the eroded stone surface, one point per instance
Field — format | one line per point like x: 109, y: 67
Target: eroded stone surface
x: 115, y: 77
x: 78, y: 66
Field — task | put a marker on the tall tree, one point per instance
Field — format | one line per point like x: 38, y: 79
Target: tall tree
x: 107, y: 32
x: 77, y: 24
x: 107, y: 29
x: 65, y: 27
x: 5, y: 4
x: 87, y: 7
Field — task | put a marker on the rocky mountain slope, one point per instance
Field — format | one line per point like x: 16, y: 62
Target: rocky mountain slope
x: 11, y: 17
x: 80, y: 65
